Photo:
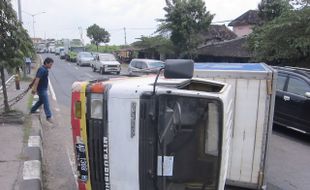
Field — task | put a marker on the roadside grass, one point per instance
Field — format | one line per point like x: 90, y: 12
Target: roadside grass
x: 28, y: 121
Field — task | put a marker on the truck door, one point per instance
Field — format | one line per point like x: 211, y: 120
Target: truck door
x: 180, y: 148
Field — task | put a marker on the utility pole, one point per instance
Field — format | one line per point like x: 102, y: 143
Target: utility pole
x: 125, y: 35
x: 20, y: 11
x: 81, y: 34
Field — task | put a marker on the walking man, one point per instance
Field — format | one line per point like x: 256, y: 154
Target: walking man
x: 40, y: 86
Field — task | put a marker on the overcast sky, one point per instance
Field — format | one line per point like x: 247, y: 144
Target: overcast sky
x: 62, y: 18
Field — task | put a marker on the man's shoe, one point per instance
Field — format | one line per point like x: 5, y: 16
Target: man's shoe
x: 34, y: 112
x: 50, y: 120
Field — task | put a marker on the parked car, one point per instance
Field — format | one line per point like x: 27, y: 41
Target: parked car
x: 106, y: 62
x: 292, y: 103
x: 144, y: 66
x: 84, y: 58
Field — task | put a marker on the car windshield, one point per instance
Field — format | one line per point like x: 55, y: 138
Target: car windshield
x: 156, y: 64
x: 107, y: 57
x: 86, y: 55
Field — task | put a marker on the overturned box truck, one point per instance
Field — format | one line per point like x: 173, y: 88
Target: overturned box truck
x: 253, y: 86
x: 150, y: 133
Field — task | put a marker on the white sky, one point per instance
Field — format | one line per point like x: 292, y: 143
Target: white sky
x: 63, y: 17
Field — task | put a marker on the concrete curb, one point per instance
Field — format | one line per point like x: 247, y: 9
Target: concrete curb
x: 32, y: 168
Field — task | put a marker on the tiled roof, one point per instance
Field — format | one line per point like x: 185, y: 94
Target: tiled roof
x: 248, y: 18
x: 217, y: 33
x: 229, y: 48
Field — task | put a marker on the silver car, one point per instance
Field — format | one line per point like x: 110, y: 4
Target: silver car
x: 106, y: 62
x: 84, y: 58
x: 145, y: 66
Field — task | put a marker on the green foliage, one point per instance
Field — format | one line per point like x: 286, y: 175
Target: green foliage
x: 270, y: 9
x: 286, y: 39
x: 98, y: 35
x: 157, y: 43
x: 300, y: 3
x: 184, y: 19
x: 102, y: 49
x: 15, y: 43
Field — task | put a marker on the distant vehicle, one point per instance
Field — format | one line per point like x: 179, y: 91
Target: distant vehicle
x: 62, y: 54
x: 58, y: 50
x: 292, y: 103
x: 106, y: 62
x: 41, y: 48
x: 84, y: 58
x: 51, y: 49
x: 144, y: 66
x: 72, y: 48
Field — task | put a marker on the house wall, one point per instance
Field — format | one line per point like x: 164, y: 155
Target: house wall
x: 242, y: 30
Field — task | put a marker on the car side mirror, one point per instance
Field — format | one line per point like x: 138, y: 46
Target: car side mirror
x: 307, y: 94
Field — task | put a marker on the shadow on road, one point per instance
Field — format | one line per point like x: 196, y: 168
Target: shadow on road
x: 291, y: 134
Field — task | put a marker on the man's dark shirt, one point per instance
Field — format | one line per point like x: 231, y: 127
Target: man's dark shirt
x: 42, y: 73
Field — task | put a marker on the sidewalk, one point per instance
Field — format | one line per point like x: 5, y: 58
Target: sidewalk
x: 14, y: 138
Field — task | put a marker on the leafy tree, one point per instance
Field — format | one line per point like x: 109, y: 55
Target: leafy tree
x: 270, y: 9
x: 284, y: 40
x: 300, y: 3
x: 15, y: 44
x: 158, y: 43
x: 184, y: 19
x: 102, y: 49
x: 98, y: 35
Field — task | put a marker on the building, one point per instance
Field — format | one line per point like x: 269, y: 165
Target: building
x: 243, y: 25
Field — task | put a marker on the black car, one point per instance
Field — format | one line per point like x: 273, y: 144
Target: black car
x: 292, y: 105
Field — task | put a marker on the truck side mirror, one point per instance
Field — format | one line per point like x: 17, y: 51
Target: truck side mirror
x: 179, y: 68
x: 307, y: 94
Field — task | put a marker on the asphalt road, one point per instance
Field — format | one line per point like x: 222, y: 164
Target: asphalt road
x: 288, y: 161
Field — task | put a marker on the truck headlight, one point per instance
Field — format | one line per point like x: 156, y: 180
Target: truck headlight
x: 96, y: 110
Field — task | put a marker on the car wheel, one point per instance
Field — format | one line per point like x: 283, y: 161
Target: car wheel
x: 101, y: 71
x: 94, y: 69
x: 118, y: 72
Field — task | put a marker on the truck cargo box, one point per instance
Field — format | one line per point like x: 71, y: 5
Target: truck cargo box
x: 253, y: 87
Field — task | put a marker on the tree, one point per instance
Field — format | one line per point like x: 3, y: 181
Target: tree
x: 15, y: 44
x: 270, y: 9
x: 184, y: 19
x: 284, y: 40
x: 300, y: 3
x: 98, y: 35
x: 154, y: 44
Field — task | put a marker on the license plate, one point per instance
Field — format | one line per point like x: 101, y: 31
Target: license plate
x: 81, y: 161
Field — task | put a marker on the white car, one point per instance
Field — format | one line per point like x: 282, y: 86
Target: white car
x: 106, y: 62
x: 84, y: 58
x: 145, y: 66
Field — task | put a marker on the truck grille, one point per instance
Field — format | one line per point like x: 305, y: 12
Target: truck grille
x: 95, y: 152
x: 112, y: 66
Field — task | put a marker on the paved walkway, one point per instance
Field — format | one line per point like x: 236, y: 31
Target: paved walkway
x: 13, y: 138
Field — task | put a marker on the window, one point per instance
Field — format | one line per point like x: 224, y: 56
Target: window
x: 139, y: 65
x: 143, y: 66
x: 281, y: 82
x: 298, y: 86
